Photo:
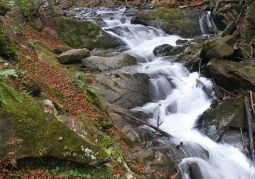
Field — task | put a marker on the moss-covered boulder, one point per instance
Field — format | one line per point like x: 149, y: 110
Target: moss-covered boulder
x: 84, y: 34
x: 42, y: 52
x: 222, y: 115
x: 4, y: 7
x: 216, y: 43
x: 30, y: 12
x: 172, y: 21
x: 30, y: 132
x: 7, y: 46
x: 232, y: 75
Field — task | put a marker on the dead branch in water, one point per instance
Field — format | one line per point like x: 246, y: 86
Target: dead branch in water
x: 252, y: 104
x: 145, y: 123
x: 249, y: 126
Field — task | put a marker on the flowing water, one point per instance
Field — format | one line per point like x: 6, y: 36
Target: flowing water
x: 177, y: 100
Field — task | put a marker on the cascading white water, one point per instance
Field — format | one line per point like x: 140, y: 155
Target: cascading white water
x: 177, y: 100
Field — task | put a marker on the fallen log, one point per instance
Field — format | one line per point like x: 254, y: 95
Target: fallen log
x: 145, y: 123
x: 249, y: 126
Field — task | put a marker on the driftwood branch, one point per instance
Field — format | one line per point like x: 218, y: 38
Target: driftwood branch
x: 145, y: 123
x: 249, y: 126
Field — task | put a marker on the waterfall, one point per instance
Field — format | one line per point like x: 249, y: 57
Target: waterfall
x: 206, y: 23
x: 178, y: 100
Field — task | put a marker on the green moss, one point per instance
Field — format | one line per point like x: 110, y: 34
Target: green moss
x: 77, y: 33
x: 4, y: 7
x: 7, y: 46
x: 60, y: 143
x: 53, y: 91
x: 43, y: 53
x: 27, y: 118
x: 83, y: 34
x: 168, y: 14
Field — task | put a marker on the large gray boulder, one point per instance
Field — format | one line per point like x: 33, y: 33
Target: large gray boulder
x: 222, y: 115
x: 123, y: 89
x: 232, y: 75
x: 108, y: 63
x: 72, y: 56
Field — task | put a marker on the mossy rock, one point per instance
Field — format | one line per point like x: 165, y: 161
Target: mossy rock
x: 29, y: 12
x: 232, y: 75
x: 172, y: 21
x: 7, y: 46
x: 4, y: 7
x: 34, y: 133
x: 84, y: 34
x: 42, y: 52
x: 61, y: 49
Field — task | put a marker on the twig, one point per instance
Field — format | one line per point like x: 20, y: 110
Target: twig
x: 239, y: 16
x: 252, y: 104
x: 249, y: 126
x: 195, y: 55
x: 223, y: 89
x: 144, y: 122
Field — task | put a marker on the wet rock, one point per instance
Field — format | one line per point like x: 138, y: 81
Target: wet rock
x: 234, y: 138
x: 232, y: 75
x: 163, y: 50
x: 85, y: 34
x: 74, y: 55
x: 215, y: 43
x: 195, y: 171
x: 182, y: 22
x: 123, y: 89
x: 108, y: 63
x: 221, y: 51
x: 222, y: 115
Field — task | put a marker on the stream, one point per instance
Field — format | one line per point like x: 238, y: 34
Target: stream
x: 177, y: 99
